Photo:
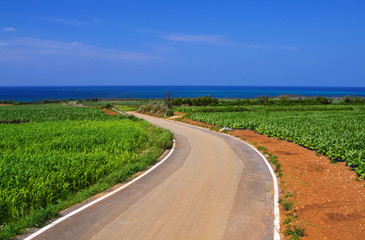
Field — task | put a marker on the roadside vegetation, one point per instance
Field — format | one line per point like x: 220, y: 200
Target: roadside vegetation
x: 270, y: 108
x: 339, y: 135
x: 266, y: 101
x: 292, y: 228
x: 155, y: 109
x: 332, y: 127
x: 53, y: 156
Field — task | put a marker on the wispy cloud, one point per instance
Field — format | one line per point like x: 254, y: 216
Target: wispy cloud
x: 210, y: 39
x: 218, y: 40
x: 190, y: 38
x: 28, y: 47
x: 214, y: 39
x: 9, y: 29
x: 75, y: 43
x: 73, y: 22
x: 207, y: 39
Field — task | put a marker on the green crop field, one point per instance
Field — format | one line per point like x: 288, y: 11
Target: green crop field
x: 253, y: 108
x: 65, y: 154
x: 51, y: 112
x: 338, y: 134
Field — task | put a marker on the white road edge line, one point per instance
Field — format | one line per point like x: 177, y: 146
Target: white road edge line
x: 276, y: 191
x: 274, y: 178
x: 101, y: 198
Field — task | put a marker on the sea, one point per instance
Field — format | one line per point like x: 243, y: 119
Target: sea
x: 39, y: 93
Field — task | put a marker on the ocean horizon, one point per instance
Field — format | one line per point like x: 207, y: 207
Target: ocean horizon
x: 39, y: 93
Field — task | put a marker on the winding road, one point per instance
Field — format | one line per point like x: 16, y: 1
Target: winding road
x: 211, y: 187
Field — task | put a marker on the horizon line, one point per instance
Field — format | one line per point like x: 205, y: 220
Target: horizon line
x: 301, y: 86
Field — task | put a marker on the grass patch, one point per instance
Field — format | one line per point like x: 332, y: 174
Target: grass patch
x: 262, y: 149
x: 277, y: 166
x: 287, y: 205
x: 50, y: 164
x: 292, y: 228
x: 295, y: 232
x: 127, y: 108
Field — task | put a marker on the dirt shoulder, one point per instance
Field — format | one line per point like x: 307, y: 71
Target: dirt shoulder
x: 109, y: 112
x: 328, y: 198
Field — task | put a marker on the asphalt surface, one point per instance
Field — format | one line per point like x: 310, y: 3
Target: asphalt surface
x: 211, y: 187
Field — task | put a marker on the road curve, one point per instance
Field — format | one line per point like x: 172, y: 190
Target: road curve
x: 211, y: 187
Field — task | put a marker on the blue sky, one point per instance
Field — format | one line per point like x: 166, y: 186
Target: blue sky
x: 249, y: 43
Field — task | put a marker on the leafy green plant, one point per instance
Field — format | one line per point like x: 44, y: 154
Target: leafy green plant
x: 108, y: 106
x: 295, y: 232
x: 338, y: 134
x: 169, y: 113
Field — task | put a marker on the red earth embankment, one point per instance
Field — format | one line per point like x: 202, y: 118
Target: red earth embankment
x: 329, y: 198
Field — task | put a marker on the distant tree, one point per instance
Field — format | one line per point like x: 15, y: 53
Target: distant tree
x: 263, y: 100
x: 215, y: 101
x: 188, y: 101
x: 178, y: 101
x: 347, y: 99
x: 168, y: 99
x: 283, y: 99
x: 323, y: 100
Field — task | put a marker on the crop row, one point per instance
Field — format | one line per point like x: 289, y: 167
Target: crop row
x: 52, y: 112
x: 268, y: 108
x: 340, y: 135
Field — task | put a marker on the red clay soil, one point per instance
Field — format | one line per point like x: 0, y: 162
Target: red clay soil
x: 179, y: 114
x: 109, y: 112
x: 329, y: 198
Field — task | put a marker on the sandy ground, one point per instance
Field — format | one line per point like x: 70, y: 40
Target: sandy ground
x: 329, y: 198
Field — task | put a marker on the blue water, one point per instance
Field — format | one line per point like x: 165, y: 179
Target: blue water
x: 28, y: 94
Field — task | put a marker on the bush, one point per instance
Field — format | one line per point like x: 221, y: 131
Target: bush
x: 108, y: 106
x: 155, y: 109
x: 169, y: 113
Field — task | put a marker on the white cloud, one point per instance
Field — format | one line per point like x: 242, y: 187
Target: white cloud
x: 193, y: 38
x: 9, y: 29
x: 211, y: 39
x: 3, y: 44
x: 35, y: 43
x: 202, y: 38
x: 215, y: 39
x: 32, y: 46
x: 76, y: 43
x: 72, y: 22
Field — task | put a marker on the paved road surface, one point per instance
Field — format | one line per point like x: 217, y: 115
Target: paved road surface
x: 211, y: 187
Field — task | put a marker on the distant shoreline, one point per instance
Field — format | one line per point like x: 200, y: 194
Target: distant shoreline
x: 41, y: 93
